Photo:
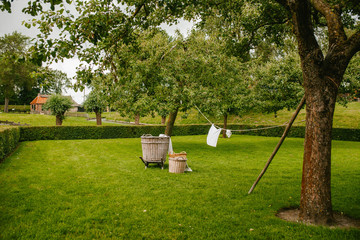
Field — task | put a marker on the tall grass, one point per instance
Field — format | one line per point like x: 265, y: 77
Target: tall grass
x: 99, y: 189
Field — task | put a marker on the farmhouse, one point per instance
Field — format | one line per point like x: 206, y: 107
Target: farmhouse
x: 38, y: 102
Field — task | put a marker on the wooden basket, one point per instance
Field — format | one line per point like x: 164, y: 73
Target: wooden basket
x: 177, y: 164
x: 154, y: 149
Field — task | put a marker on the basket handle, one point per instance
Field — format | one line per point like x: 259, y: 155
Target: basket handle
x: 146, y: 135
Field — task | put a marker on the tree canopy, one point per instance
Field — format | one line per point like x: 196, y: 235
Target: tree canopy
x: 58, y: 105
x: 15, y: 67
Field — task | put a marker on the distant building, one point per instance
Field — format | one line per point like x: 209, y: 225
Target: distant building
x: 36, y: 105
x: 75, y: 106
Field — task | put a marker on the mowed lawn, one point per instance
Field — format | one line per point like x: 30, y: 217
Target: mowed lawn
x: 99, y: 189
x: 344, y: 117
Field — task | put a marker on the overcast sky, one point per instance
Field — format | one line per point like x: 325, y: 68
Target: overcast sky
x: 10, y: 22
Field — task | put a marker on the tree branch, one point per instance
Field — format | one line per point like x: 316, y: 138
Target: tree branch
x: 137, y: 10
x: 172, y: 48
x: 333, y: 20
x: 303, y: 29
x: 270, y: 24
x: 353, y: 44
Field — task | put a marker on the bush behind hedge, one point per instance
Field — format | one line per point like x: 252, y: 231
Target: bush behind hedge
x: 9, y: 139
x: 105, y: 132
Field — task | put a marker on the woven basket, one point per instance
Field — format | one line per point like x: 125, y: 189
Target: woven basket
x: 154, y: 149
x: 177, y: 164
x: 175, y: 155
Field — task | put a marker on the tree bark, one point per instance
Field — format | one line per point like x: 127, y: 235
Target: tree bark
x: 98, y: 118
x: 225, y: 125
x: 58, y: 121
x: 6, y: 105
x: 322, y: 77
x: 171, y: 122
x: 163, y: 120
x: 315, y: 203
x: 137, y: 119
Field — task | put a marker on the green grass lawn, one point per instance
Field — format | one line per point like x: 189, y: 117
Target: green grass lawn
x: 344, y: 117
x: 99, y: 189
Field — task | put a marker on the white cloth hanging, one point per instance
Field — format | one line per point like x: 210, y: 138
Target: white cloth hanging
x: 170, y: 150
x: 228, y: 133
x: 213, y: 136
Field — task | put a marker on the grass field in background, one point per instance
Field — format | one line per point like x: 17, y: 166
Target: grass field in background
x: 99, y: 189
x: 344, y: 117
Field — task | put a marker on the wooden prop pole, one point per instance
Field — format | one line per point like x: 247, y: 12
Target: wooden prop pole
x: 280, y: 142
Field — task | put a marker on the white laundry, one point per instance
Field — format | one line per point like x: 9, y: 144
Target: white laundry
x: 228, y: 133
x: 170, y: 150
x: 213, y: 136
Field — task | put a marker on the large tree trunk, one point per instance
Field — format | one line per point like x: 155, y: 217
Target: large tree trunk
x: 137, y: 119
x: 58, y: 121
x: 98, y: 118
x: 6, y: 106
x: 315, y: 203
x: 171, y: 122
x: 322, y: 77
x: 225, y: 125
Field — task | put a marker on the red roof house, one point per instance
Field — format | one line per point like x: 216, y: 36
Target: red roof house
x: 38, y: 102
x: 36, y: 105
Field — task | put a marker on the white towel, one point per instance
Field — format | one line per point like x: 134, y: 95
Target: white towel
x: 213, y: 136
x: 228, y: 133
x: 170, y: 150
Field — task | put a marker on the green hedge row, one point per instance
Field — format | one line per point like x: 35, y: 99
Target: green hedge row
x: 103, y: 132
x: 86, y: 132
x: 9, y: 139
x: 17, y: 108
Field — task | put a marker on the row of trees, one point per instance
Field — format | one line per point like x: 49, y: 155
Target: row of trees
x: 165, y: 74
x: 326, y: 31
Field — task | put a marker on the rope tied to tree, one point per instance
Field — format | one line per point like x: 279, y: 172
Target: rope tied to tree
x: 242, y: 130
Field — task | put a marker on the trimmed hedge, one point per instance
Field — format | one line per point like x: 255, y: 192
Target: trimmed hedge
x: 17, y: 108
x: 9, y: 139
x: 86, y: 132
x: 104, y: 132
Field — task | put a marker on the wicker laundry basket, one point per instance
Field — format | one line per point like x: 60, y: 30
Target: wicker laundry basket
x: 177, y: 164
x: 154, y: 149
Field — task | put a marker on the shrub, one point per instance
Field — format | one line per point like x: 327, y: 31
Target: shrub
x: 17, y: 108
x: 58, y: 105
x: 9, y: 139
x: 86, y: 132
x: 104, y: 132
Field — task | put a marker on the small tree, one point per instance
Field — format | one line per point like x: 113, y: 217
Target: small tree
x: 95, y: 103
x: 58, y: 105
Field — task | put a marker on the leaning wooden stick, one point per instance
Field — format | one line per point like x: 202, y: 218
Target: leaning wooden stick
x: 280, y: 142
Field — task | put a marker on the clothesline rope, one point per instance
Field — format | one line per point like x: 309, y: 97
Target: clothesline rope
x: 241, y: 130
